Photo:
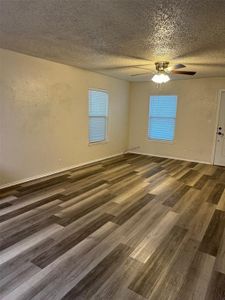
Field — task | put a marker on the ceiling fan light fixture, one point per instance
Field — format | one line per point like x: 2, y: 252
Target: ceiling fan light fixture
x: 161, y: 78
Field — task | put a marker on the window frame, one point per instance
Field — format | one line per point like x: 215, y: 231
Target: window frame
x: 106, y: 117
x: 149, y: 122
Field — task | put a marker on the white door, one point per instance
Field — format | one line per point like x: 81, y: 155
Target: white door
x: 220, y: 134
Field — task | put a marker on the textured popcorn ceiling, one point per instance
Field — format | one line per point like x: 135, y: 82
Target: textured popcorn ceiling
x: 102, y: 35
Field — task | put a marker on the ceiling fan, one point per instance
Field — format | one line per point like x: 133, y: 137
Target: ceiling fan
x: 163, y: 69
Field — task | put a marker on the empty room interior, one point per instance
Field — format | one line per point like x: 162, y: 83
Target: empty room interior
x: 112, y: 149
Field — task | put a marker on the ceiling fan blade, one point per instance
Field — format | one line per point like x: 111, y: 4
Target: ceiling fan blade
x: 126, y: 67
x: 175, y: 67
x: 211, y: 65
x: 183, y: 72
x: 141, y: 74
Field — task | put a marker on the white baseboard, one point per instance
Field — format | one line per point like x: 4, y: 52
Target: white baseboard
x: 56, y: 171
x: 171, y: 157
x: 7, y: 185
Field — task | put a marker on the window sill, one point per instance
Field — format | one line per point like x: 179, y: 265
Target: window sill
x: 161, y: 141
x: 97, y: 143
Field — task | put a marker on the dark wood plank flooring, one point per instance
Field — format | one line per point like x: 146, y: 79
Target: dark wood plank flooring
x: 129, y: 227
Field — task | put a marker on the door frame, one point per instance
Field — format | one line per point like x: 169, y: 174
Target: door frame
x: 219, y: 97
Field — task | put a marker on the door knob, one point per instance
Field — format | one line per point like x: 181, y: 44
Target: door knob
x: 220, y: 133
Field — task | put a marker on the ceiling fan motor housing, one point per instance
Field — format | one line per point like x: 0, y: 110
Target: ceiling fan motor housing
x: 162, y: 65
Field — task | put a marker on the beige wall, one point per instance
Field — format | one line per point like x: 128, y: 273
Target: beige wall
x: 196, y: 118
x: 44, y: 116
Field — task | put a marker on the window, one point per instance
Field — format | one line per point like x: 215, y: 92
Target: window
x: 162, y: 117
x: 98, y: 114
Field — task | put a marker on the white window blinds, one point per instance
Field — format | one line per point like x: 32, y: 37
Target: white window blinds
x: 162, y: 117
x: 98, y: 113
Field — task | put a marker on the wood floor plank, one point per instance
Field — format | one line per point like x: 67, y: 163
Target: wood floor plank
x: 64, y: 245
x: 220, y: 258
x: 198, y: 277
x: 213, y: 236
x: 191, y: 177
x: 216, y: 289
x: 138, y: 226
x: 88, y: 204
x: 172, y: 199
x: 30, y: 201
x: 84, y: 172
x: 18, y: 236
x: 7, y: 199
x: 17, y: 262
x: 199, y: 222
x: 97, y: 276
x: 148, y: 278
x: 21, y: 246
x: 125, y: 184
x: 132, y: 209
x: 16, y: 212
x: 170, y: 284
x: 131, y: 193
x: 84, y: 195
x: 153, y: 239
x: 221, y: 203
x: 165, y: 187
x: 18, y: 277
x: 201, y: 181
x: 216, y: 193
x: 116, y: 285
x: 82, y: 210
x: 185, y: 202
x: 5, y: 205
x: 28, y: 218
